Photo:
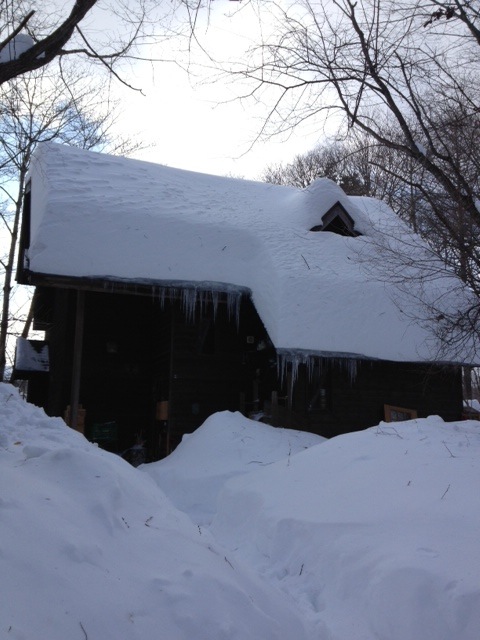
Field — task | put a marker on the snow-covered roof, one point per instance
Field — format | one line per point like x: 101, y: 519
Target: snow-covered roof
x: 31, y: 356
x: 95, y: 215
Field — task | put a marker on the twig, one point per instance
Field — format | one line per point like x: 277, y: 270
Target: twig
x: 308, y: 266
x: 301, y: 569
x: 83, y: 629
x: 148, y: 520
x: 381, y: 432
x: 445, y: 445
x: 445, y: 492
x: 228, y: 562
x: 91, y: 53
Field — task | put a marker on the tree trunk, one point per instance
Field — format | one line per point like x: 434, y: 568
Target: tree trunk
x: 7, y: 282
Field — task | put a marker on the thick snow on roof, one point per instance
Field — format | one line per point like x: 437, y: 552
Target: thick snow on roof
x: 97, y: 215
x: 31, y: 355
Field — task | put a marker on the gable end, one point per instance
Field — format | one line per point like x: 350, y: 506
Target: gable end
x: 337, y: 220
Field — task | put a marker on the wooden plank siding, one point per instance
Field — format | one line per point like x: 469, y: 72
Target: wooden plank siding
x: 207, y: 368
x: 140, y: 353
x: 356, y: 403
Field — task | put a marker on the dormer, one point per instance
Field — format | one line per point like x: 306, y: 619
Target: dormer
x: 337, y: 220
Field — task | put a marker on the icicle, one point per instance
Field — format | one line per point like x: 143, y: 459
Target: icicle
x: 352, y: 368
x: 311, y: 366
x: 202, y: 301
x: 215, y: 300
x: 350, y: 365
x: 290, y: 360
x: 189, y: 303
x: 234, y: 299
x: 200, y: 297
x: 193, y: 295
x: 160, y: 292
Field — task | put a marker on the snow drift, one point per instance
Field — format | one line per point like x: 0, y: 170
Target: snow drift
x: 373, y: 533
x: 370, y: 535
x: 227, y: 445
x: 110, y: 218
x: 91, y: 547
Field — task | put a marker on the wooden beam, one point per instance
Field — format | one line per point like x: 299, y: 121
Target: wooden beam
x: 167, y: 289
x: 77, y: 360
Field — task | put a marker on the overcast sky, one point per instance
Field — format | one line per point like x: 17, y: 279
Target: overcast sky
x: 194, y: 124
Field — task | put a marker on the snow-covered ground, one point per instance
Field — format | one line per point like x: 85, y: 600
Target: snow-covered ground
x: 245, y: 532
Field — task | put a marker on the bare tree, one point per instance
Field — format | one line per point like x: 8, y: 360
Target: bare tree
x: 372, y: 61
x: 102, y: 32
x: 405, y: 74
x: 325, y: 161
x: 346, y: 164
x: 67, y: 107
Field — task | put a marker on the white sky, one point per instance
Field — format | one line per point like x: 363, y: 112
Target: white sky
x: 194, y: 124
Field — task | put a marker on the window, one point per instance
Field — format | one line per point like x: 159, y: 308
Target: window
x: 337, y: 220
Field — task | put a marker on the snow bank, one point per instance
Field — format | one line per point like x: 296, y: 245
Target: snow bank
x: 226, y: 445
x: 370, y: 535
x: 374, y: 534
x: 91, y: 547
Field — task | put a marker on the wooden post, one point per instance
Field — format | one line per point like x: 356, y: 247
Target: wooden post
x: 274, y: 409
x: 256, y: 390
x: 171, y: 381
x: 467, y: 383
x: 77, y: 359
x: 289, y: 397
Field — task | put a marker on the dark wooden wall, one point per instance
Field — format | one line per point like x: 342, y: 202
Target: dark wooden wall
x: 139, y: 352
x: 207, y: 371
x: 356, y: 402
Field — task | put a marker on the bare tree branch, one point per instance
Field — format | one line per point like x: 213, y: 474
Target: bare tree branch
x: 138, y: 23
x: 48, y: 48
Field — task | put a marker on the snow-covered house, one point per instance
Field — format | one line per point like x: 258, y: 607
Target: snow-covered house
x: 167, y: 295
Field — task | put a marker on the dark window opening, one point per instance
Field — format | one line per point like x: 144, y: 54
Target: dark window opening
x: 337, y: 220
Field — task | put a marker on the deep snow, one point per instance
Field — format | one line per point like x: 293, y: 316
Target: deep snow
x: 100, y: 216
x: 370, y: 535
